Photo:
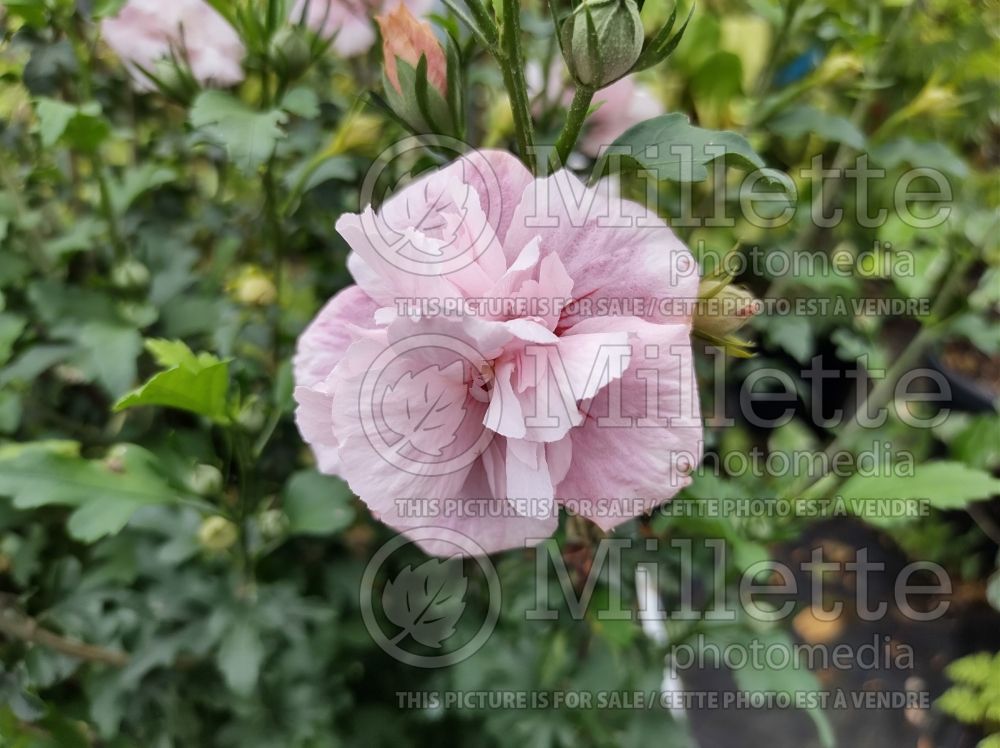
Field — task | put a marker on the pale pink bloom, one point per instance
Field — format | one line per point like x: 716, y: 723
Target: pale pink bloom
x: 352, y: 21
x: 147, y: 31
x: 619, y: 106
x: 576, y: 389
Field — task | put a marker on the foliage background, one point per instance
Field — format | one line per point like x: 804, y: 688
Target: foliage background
x: 126, y: 218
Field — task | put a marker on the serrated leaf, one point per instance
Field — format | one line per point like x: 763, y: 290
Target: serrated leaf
x: 943, y: 484
x: 673, y: 149
x: 317, y: 504
x: 195, y: 383
x: 248, y: 136
x: 104, y: 492
x: 427, y: 601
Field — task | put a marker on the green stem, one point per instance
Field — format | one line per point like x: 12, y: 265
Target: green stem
x: 242, y: 455
x: 574, y: 124
x: 276, y: 239
x: 511, y: 59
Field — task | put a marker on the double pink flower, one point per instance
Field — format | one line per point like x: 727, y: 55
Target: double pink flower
x: 512, y: 345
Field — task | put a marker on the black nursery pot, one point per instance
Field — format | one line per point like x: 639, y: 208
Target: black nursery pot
x: 967, y: 394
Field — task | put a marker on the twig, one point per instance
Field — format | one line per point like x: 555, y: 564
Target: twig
x: 25, y: 628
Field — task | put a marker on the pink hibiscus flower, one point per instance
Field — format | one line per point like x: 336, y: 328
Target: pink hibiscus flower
x: 512, y: 345
x: 353, y: 21
x: 147, y: 31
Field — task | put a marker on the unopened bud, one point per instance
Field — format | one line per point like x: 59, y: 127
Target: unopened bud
x: 423, y: 98
x: 600, y: 61
x: 253, y: 286
x: 217, y: 533
x: 205, y: 480
x: 722, y: 312
x: 129, y: 275
x: 290, y: 51
x: 406, y: 38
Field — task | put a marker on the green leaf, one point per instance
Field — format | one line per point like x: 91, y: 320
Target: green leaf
x: 248, y: 136
x: 81, y: 236
x: 53, y: 117
x: 317, y: 504
x: 33, y: 12
x: 104, y: 492
x: 791, y: 679
x: 944, y: 484
x: 240, y: 656
x: 81, y: 126
x: 791, y: 333
x: 135, y: 182
x: 107, y: 354
x: 195, y: 383
x: 797, y: 121
x: 919, y: 153
x: 11, y: 327
x: 674, y: 149
x: 301, y: 102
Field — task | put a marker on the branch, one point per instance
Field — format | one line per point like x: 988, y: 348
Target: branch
x: 19, y: 626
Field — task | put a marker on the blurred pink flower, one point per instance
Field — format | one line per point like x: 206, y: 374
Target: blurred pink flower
x: 616, y: 108
x: 353, y: 21
x: 622, y: 104
x: 147, y: 31
x: 512, y: 345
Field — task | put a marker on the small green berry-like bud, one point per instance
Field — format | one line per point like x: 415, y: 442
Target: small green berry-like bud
x: 601, y: 40
x: 130, y: 274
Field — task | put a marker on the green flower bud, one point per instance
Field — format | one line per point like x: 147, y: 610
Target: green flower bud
x: 272, y: 523
x: 604, y: 48
x: 130, y: 275
x: 723, y: 311
x: 291, y: 52
x: 217, y: 533
x: 205, y: 480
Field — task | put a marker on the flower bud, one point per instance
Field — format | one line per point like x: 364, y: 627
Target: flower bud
x: 600, y: 61
x: 272, y: 523
x: 217, y: 533
x: 291, y: 51
x: 130, y: 275
x: 408, y: 39
x: 252, y: 286
x: 425, y: 99
x: 723, y: 311
x: 205, y: 480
